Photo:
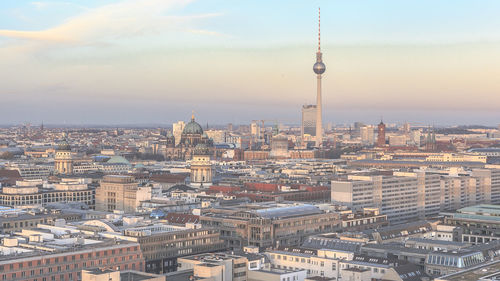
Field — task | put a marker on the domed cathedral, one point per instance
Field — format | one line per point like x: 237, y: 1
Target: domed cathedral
x: 191, y: 136
x: 63, y: 159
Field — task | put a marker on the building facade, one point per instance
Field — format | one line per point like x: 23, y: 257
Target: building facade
x: 118, y: 192
x: 268, y: 224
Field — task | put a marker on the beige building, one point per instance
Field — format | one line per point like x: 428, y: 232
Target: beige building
x: 269, y: 224
x: 452, y: 157
x: 314, y: 262
x: 216, y: 266
x: 117, y: 192
x: 395, y: 196
x: 201, y: 167
x: 34, y: 193
x: 63, y: 159
x: 356, y: 274
x: 277, y: 275
x: 97, y: 274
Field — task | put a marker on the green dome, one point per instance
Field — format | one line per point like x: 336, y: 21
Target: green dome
x: 118, y: 160
x: 201, y: 149
x: 64, y: 145
x: 192, y: 128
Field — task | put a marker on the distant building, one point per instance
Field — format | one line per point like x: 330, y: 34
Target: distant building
x: 308, y: 125
x: 399, y: 140
x: 177, y: 129
x: 279, y: 147
x: 181, y: 147
x: 366, y: 134
x: 381, y: 134
x: 255, y: 130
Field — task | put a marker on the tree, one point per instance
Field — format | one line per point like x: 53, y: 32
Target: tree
x: 6, y: 155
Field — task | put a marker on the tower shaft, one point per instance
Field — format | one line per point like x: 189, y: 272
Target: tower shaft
x: 319, y: 121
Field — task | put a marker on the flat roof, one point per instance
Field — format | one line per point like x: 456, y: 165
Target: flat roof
x: 474, y: 273
x: 132, y: 275
x: 482, y: 208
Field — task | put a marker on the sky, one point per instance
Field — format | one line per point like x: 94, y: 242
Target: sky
x: 155, y: 61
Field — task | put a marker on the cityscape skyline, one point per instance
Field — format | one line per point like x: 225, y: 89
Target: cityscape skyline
x: 140, y: 71
x: 183, y: 140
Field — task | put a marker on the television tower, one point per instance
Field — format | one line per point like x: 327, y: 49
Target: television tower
x: 319, y: 68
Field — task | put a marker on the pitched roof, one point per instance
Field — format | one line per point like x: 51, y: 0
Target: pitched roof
x: 179, y: 218
x: 410, y: 272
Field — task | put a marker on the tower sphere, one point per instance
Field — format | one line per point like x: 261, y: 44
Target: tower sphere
x: 319, y: 68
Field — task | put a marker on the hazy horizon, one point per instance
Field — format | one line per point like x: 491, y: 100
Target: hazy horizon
x: 154, y: 61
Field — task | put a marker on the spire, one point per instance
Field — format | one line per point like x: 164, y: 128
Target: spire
x: 319, y: 30
x: 192, y: 115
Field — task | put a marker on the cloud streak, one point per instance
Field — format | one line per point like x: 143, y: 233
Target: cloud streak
x: 117, y: 20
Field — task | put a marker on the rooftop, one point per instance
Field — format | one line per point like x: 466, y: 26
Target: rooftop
x: 132, y: 275
x: 288, y: 211
x: 482, y: 209
x: 474, y: 273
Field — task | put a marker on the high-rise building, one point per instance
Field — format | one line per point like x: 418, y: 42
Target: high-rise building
x: 366, y: 133
x: 406, y: 127
x: 308, y: 126
x: 255, y: 129
x: 357, y: 129
x: 396, y: 196
x: 319, y: 68
x: 381, y: 134
x: 403, y: 196
x: 177, y: 129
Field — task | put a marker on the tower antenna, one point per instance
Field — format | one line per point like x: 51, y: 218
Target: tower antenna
x: 319, y: 29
